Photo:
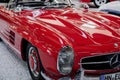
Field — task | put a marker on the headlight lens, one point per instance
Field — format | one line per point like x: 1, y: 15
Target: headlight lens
x: 65, y: 60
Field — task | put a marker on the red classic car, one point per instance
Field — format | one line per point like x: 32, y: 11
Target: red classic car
x: 97, y: 3
x: 60, y: 42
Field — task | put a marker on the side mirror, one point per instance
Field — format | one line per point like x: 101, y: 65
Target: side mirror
x: 83, y: 5
x: 18, y: 9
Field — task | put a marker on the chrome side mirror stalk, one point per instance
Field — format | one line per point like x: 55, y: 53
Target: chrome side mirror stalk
x: 18, y: 9
x: 83, y: 5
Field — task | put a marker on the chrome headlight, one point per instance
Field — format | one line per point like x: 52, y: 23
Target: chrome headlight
x: 65, y: 60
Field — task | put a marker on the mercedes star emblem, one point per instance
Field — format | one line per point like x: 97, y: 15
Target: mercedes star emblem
x: 115, y: 61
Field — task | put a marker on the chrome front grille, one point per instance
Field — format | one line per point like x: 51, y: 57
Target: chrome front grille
x: 101, y: 62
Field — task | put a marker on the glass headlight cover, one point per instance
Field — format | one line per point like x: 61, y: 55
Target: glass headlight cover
x: 65, y: 60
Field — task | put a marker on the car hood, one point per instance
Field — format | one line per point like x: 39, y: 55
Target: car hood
x: 80, y: 27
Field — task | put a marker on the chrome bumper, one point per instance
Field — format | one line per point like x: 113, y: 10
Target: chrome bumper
x: 79, y: 76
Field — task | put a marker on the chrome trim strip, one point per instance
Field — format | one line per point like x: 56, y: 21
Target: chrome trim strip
x: 95, y: 62
x: 10, y: 45
x: 45, y: 76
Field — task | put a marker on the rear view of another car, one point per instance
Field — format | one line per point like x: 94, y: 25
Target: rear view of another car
x: 97, y: 3
x: 111, y: 8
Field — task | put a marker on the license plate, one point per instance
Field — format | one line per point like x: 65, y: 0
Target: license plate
x: 113, y: 76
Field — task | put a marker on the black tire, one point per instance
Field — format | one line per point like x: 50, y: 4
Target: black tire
x: 98, y: 3
x: 0, y: 39
x: 34, y: 58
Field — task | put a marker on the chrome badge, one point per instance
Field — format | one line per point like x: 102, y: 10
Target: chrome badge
x: 116, y: 45
x: 115, y: 61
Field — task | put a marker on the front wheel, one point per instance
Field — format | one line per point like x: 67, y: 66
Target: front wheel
x: 98, y: 3
x: 34, y: 64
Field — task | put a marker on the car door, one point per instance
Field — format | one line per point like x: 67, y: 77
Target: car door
x: 8, y: 28
x: 5, y: 23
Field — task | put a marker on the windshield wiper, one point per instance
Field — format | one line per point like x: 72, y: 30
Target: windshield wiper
x: 59, y: 4
x: 62, y: 4
x: 31, y: 3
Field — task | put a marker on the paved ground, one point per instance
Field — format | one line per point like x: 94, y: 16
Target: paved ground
x: 13, y: 68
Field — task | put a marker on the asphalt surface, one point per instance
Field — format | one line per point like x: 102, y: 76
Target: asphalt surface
x: 13, y: 68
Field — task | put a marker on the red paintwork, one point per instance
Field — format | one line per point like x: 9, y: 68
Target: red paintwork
x: 88, y: 33
x: 85, y: 0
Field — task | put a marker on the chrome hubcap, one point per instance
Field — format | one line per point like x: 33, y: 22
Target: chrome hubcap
x: 34, y: 62
x: 100, y: 2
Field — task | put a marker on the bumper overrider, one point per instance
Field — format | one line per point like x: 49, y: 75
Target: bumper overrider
x: 96, y: 65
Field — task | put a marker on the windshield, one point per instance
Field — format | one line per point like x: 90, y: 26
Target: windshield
x: 44, y: 3
x: 58, y: 1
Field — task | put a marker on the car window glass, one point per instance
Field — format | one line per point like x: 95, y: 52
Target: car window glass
x: 11, y: 4
x: 28, y: 0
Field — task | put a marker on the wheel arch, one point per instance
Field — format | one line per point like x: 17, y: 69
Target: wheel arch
x: 24, y: 47
x: 24, y: 44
